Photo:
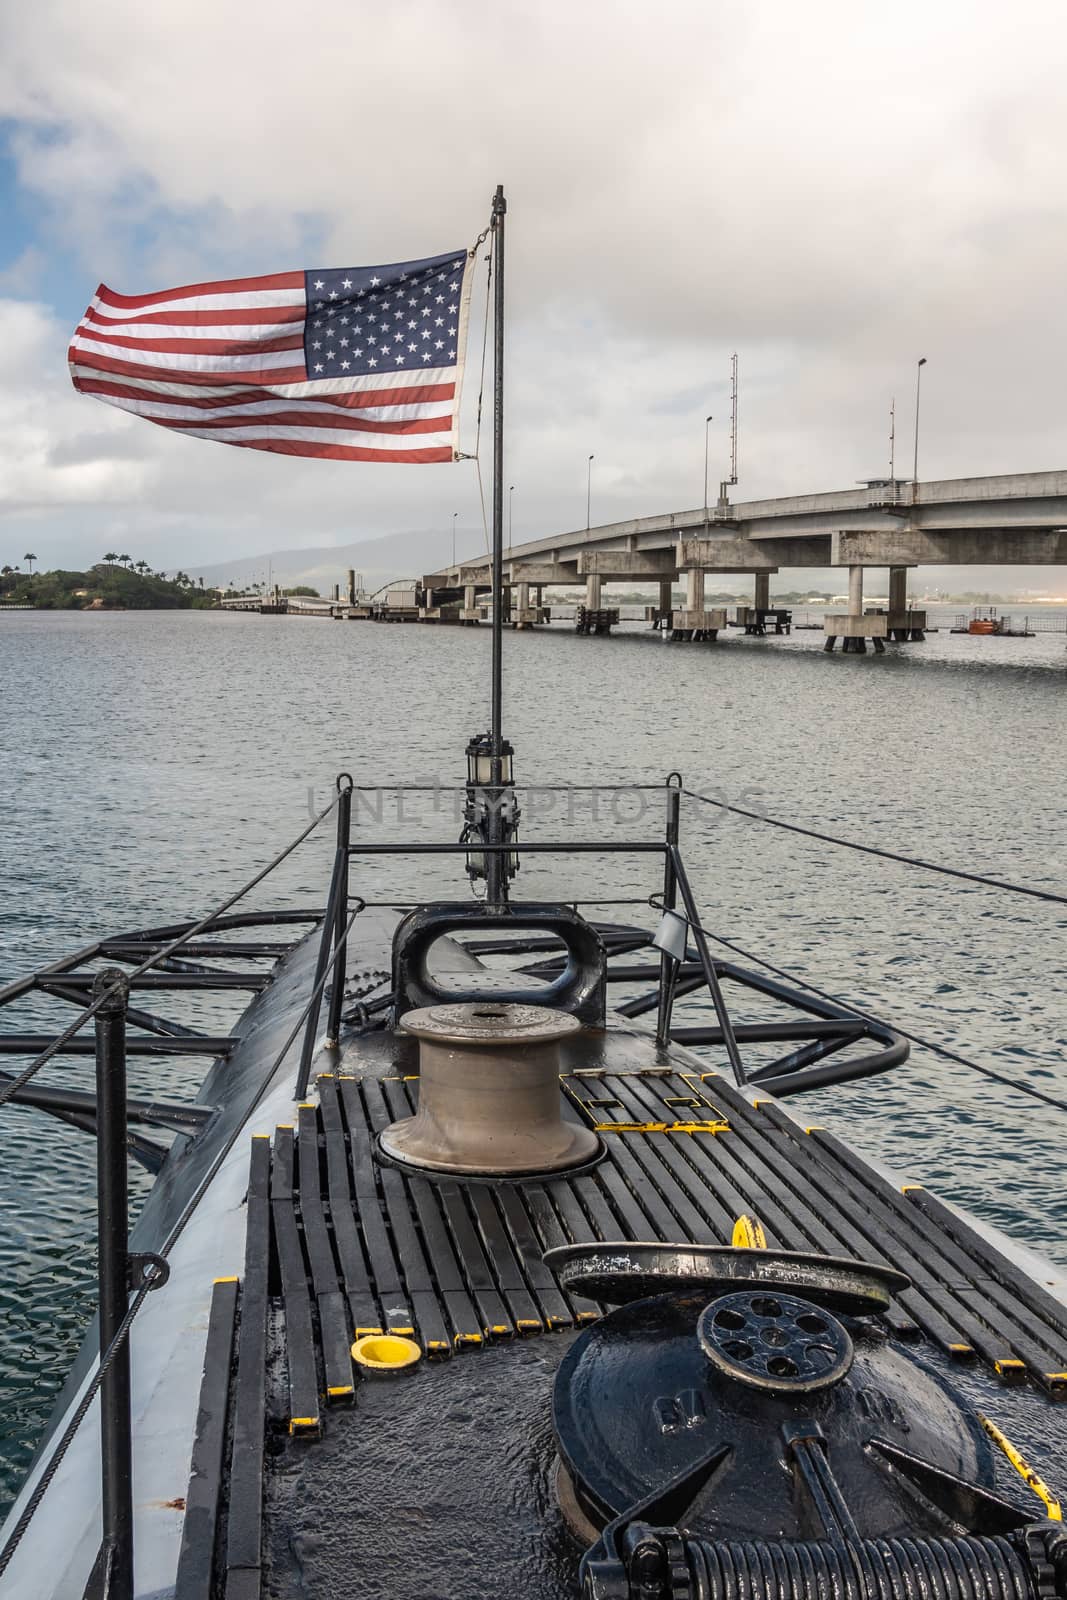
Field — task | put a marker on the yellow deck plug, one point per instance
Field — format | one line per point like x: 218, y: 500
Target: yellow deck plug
x: 386, y: 1353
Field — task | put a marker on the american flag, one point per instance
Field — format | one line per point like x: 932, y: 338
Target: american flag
x: 351, y: 363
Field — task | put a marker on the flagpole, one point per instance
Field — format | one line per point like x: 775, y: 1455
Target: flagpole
x: 496, y: 873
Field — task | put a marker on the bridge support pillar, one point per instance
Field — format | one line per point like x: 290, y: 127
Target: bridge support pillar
x: 523, y: 615
x: 855, y: 591
x: 666, y: 596
x: 762, y: 591
x: 592, y: 591
x: 694, y: 589
x: 898, y: 589
x: 469, y: 612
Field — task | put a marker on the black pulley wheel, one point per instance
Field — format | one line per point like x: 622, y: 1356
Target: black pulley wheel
x: 617, y: 1274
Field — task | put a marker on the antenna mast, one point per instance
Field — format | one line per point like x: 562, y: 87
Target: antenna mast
x: 893, y: 440
x: 733, y: 418
x: 724, y: 486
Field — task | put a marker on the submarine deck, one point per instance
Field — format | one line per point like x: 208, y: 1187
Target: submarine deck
x: 308, y: 1480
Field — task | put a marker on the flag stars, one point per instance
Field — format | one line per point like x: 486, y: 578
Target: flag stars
x: 413, y: 314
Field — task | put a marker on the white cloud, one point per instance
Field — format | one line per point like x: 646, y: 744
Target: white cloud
x: 54, y: 453
x: 832, y: 189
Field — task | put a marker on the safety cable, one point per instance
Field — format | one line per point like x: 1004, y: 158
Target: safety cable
x: 656, y: 901
x: 163, y: 1255
x: 40, y: 1488
x: 11, y: 1088
x: 481, y: 393
x: 876, y: 850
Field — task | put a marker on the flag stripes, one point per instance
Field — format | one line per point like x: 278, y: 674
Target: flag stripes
x: 313, y: 364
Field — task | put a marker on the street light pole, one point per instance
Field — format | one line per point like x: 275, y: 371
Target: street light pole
x: 455, y: 514
x: 918, y: 383
x: 511, y: 491
x: 707, y: 430
x: 588, y: 492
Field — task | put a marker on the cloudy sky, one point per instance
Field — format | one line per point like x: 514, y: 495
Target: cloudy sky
x: 831, y: 189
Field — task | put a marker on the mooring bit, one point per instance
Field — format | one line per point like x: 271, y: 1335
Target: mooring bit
x: 489, y: 1096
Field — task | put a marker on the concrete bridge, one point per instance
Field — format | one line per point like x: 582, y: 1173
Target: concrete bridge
x: 1017, y: 519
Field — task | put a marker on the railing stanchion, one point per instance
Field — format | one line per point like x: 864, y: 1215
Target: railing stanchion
x: 114, y: 1283
x: 729, y: 1038
x: 668, y: 967
x: 344, y: 840
x: 330, y: 928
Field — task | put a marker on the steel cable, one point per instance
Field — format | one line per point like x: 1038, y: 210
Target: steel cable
x: 876, y: 850
x: 11, y: 1088
x: 927, y: 1044
x: 122, y: 1333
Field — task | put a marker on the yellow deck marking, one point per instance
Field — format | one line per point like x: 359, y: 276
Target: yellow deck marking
x: 748, y: 1234
x: 1024, y: 1469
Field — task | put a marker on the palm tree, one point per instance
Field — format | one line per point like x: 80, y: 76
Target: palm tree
x: 31, y: 558
x: 142, y: 567
x: 110, y: 557
x: 124, y: 561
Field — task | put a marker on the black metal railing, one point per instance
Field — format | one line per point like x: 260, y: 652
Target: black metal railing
x: 160, y: 959
x: 107, y: 1114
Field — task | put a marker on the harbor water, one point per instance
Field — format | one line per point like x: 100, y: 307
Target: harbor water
x: 152, y: 762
